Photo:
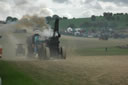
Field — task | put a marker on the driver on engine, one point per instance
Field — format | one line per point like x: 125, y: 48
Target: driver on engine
x: 36, y: 41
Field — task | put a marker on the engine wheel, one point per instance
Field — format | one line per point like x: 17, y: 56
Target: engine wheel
x: 30, y: 53
x: 47, y: 53
x: 63, y: 52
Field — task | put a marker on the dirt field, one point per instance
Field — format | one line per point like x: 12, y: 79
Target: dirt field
x: 79, y: 70
x: 96, y: 70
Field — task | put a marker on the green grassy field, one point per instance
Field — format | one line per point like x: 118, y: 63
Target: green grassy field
x: 94, y: 47
x: 102, y: 51
x: 12, y: 76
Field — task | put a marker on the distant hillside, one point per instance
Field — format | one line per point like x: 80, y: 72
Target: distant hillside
x: 117, y: 21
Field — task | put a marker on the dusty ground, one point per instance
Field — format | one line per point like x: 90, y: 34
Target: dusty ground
x: 75, y: 70
x: 96, y: 70
x: 80, y: 70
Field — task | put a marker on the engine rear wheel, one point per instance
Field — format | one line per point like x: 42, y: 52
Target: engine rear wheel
x: 47, y: 53
x: 41, y: 52
x: 63, y: 52
x: 30, y: 52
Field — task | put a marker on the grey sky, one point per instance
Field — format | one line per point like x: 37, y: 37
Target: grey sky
x: 116, y: 1
x: 61, y: 1
x: 68, y: 8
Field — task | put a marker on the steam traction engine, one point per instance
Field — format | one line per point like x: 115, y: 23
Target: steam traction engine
x: 50, y: 48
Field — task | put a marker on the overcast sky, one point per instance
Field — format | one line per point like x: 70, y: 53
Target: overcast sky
x: 68, y: 8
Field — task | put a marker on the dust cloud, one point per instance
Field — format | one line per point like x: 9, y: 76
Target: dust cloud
x: 12, y: 34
